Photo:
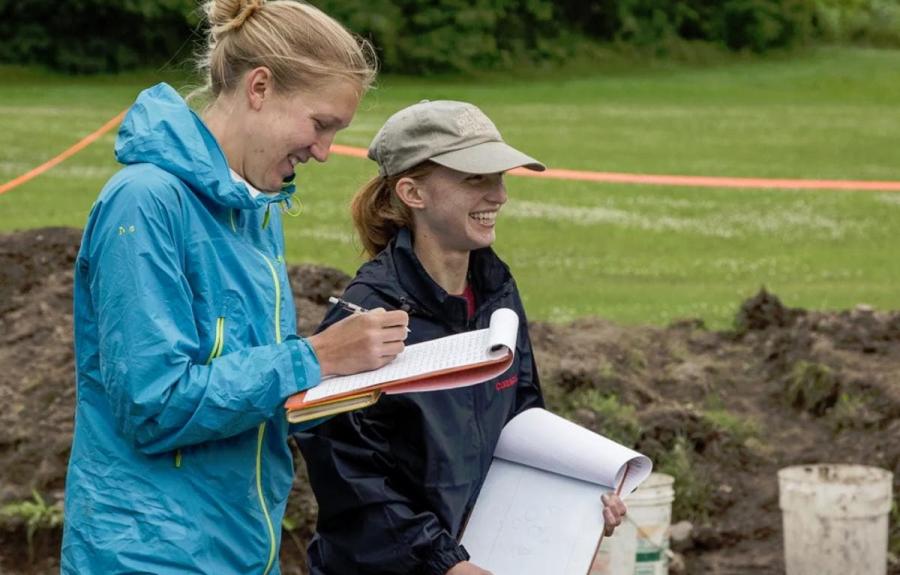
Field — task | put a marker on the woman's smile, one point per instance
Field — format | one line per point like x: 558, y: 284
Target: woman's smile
x: 485, y: 218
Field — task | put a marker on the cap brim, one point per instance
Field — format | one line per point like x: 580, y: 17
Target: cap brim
x: 487, y: 158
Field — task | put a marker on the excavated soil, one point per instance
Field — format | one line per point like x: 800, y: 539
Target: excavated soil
x: 724, y: 409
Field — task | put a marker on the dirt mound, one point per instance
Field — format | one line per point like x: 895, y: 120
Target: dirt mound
x: 27, y: 257
x: 723, y: 411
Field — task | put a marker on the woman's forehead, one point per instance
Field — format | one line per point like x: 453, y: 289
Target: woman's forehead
x: 334, y: 100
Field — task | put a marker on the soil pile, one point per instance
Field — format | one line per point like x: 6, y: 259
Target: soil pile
x: 723, y: 411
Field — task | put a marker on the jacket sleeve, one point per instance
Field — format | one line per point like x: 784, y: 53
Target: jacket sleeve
x: 528, y: 393
x: 334, y: 314
x: 162, y: 391
x: 367, y: 521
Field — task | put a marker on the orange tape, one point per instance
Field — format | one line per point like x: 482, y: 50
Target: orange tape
x: 712, y: 181
x: 349, y: 151
x: 555, y: 174
x: 686, y: 181
x: 82, y: 144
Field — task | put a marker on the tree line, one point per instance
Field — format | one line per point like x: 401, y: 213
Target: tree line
x: 439, y: 36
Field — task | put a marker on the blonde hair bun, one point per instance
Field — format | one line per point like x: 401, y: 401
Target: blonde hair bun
x: 227, y: 15
x: 301, y: 45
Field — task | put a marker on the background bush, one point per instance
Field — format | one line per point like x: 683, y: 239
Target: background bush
x: 422, y: 36
x: 434, y: 36
x: 94, y: 35
x: 871, y: 22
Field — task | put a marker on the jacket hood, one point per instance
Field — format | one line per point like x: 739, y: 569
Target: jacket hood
x: 399, y: 277
x: 160, y: 129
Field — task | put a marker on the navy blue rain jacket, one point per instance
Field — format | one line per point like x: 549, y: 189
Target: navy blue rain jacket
x: 395, y: 481
x: 185, y: 352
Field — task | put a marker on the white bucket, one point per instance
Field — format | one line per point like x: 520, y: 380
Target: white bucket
x: 835, y: 519
x: 640, y: 544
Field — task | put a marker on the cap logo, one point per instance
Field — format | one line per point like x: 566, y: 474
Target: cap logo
x: 471, y: 123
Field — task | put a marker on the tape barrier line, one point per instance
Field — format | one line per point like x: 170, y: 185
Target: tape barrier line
x: 80, y: 145
x: 712, y: 181
x: 555, y: 174
x: 349, y: 151
x: 683, y: 181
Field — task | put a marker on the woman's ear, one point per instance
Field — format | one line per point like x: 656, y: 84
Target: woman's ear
x: 259, y: 86
x: 410, y: 193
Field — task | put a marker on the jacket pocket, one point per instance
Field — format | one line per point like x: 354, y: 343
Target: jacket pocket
x: 218, y: 344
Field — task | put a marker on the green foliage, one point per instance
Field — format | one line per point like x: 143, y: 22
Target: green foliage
x: 872, y: 22
x: 416, y: 36
x: 812, y: 387
x: 35, y: 514
x: 757, y: 25
x: 420, y: 36
x: 427, y: 36
x: 692, y: 491
x: 761, y: 25
x: 894, y: 534
x: 436, y: 36
x: 617, y: 421
x: 89, y: 36
x: 289, y: 526
x: 737, y: 428
x: 634, y: 359
x: 847, y: 412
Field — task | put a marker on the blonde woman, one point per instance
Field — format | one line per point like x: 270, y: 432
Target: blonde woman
x: 184, y: 322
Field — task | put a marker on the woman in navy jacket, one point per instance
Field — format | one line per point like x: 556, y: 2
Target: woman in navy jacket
x: 406, y: 471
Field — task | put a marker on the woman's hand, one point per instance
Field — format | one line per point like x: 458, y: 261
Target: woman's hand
x: 466, y: 568
x: 361, y: 342
x: 613, y: 512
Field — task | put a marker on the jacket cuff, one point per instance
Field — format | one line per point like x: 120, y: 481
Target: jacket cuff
x: 307, y: 372
x: 443, y: 558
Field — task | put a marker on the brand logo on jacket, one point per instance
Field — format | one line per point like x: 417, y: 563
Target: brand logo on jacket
x: 507, y: 383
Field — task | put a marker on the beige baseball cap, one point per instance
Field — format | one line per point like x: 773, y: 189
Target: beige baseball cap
x: 453, y: 134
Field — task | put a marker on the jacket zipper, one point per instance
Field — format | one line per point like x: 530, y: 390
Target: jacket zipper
x: 262, y: 426
x: 218, y: 344
x: 261, y: 430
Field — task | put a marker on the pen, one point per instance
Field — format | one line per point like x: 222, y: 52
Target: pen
x: 352, y: 307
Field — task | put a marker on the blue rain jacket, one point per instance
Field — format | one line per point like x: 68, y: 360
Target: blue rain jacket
x: 185, y: 353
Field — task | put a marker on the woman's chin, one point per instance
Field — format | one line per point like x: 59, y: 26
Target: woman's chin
x: 482, y: 240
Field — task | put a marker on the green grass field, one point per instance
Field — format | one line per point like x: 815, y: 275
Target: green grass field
x: 635, y: 254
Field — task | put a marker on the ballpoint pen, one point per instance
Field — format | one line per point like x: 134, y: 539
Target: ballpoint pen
x: 352, y: 307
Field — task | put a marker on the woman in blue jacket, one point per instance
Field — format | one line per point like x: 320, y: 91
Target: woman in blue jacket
x: 184, y: 321
x: 407, y: 470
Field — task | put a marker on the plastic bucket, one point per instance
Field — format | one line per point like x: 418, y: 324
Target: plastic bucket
x: 640, y: 544
x: 835, y: 519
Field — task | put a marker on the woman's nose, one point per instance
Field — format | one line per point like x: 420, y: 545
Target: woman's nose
x: 320, y: 151
x: 498, y: 194
x: 321, y: 148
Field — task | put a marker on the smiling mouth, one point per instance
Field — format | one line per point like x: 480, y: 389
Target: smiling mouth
x: 294, y: 160
x: 487, y: 218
